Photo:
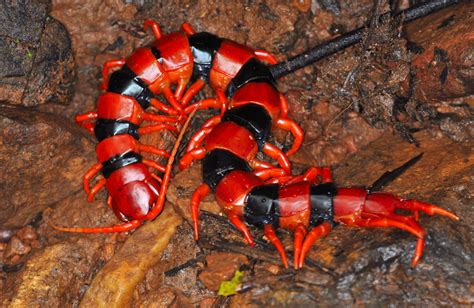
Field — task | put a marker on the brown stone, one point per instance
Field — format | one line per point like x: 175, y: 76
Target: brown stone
x: 27, y: 233
x: 43, y: 158
x: 445, y: 41
x: 221, y: 266
x: 16, y: 247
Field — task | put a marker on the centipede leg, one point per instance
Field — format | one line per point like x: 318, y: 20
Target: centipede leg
x: 204, y: 104
x: 161, y: 119
x: 187, y: 28
x: 283, y: 106
x: 192, y: 91
x: 275, y: 153
x: 197, y: 139
x: 106, y: 69
x: 89, y: 175
x: 272, y: 237
x: 153, y: 150
x: 153, y: 164
x: 155, y: 128
x: 272, y: 173
x: 313, y: 235
x: 312, y: 175
x: 260, y: 165
x: 82, y: 120
x: 111, y: 229
x: 169, y: 95
x: 200, y: 193
x: 154, y: 27
x: 163, y: 107
x: 295, y: 130
x: 178, y: 93
x: 300, y: 232
x: 239, y: 224
x: 191, y: 156
x: 94, y: 190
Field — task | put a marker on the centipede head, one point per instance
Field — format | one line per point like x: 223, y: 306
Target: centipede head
x: 135, y: 199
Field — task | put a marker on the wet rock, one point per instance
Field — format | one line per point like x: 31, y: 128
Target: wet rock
x: 164, y: 297
x: 36, y: 64
x: 443, y: 64
x: 52, y: 75
x: 94, y: 26
x: 220, y: 267
x: 115, y: 284
x: 33, y: 145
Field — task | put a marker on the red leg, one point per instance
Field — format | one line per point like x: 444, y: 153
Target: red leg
x: 189, y: 157
x: 178, y: 93
x: 157, y: 178
x: 283, y: 106
x: 106, y: 69
x: 173, y: 101
x: 82, y: 118
x: 89, y: 175
x: 212, y: 121
x: 160, y: 119
x: 272, y: 237
x: 154, y: 26
x: 295, y: 130
x: 260, y: 165
x: 415, y: 205
x: 153, y: 150
x: 265, y: 56
x: 239, y: 224
x: 385, y: 222
x: 300, y: 232
x: 266, y: 174
x: 163, y: 107
x: 193, y: 90
x: 200, y: 193
x: 187, y: 28
x: 155, y: 128
x: 112, y: 229
x: 109, y: 201
x: 313, y: 235
x: 197, y: 139
x: 311, y: 176
x: 204, y: 104
x: 153, y: 164
x: 275, y: 153
x: 222, y: 99
x: 100, y: 184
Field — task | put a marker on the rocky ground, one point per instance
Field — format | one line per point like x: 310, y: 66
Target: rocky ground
x: 365, y: 110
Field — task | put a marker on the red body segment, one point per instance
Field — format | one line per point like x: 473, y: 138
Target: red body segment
x: 234, y: 138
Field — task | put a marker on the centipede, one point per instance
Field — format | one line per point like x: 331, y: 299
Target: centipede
x: 249, y: 191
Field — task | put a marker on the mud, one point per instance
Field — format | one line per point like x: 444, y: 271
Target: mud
x: 360, y: 109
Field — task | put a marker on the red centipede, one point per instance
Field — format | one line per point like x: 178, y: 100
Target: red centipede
x: 248, y: 190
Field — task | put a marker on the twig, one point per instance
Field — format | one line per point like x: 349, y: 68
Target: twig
x: 319, y: 52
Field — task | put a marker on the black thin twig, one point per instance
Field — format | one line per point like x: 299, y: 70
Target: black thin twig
x: 351, y: 38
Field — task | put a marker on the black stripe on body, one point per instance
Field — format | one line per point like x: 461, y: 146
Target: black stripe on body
x: 218, y: 163
x: 252, y: 71
x: 254, y: 118
x: 125, y: 82
x: 157, y: 53
x: 261, y: 206
x: 105, y: 128
x: 120, y: 161
x: 322, y: 203
x: 204, y: 46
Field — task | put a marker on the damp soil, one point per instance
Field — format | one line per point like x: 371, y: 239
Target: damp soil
x: 365, y: 111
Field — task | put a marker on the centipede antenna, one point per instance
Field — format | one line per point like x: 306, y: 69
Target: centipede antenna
x: 353, y: 37
x: 389, y: 176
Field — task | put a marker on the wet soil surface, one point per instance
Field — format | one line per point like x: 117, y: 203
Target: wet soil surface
x: 365, y: 111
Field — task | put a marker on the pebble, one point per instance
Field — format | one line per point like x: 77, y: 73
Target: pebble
x: 16, y: 247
